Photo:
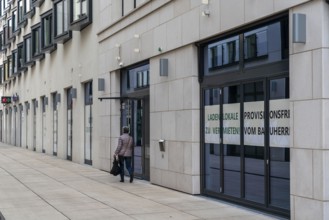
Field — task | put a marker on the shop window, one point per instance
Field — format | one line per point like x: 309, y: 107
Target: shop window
x: 142, y: 79
x: 255, y: 44
x: 223, y: 53
x: 80, y: 14
x: 61, y: 16
x: 28, y: 50
x: 47, y: 32
x: 136, y: 79
x: 36, y: 42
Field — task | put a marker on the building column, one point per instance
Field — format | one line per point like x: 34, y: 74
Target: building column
x: 309, y: 95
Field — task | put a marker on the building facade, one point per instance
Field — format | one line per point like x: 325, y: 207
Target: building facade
x: 223, y: 98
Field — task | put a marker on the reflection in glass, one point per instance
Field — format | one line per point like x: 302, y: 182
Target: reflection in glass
x: 231, y: 140
x: 254, y: 142
x: 211, y: 145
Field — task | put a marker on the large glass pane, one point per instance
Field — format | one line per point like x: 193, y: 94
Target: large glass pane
x: 47, y: 21
x: 212, y: 139
x: 231, y: 140
x: 60, y: 18
x: 254, y: 141
x: 279, y: 114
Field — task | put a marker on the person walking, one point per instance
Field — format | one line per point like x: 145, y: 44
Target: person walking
x: 124, y: 151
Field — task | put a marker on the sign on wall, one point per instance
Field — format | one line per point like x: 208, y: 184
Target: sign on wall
x: 231, y: 123
x: 212, y: 126
x: 254, y: 123
x: 279, y: 123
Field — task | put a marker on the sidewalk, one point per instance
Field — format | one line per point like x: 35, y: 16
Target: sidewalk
x: 34, y: 186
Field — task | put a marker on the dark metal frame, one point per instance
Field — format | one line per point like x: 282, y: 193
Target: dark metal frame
x: 261, y: 73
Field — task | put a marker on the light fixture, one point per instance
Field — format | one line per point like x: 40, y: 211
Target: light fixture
x: 117, y: 45
x: 101, y: 84
x: 136, y: 50
x: 136, y: 35
x: 163, y: 67
x: 205, y: 12
x: 299, y: 28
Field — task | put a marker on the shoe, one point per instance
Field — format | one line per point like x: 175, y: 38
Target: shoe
x: 121, y: 181
x: 131, y: 178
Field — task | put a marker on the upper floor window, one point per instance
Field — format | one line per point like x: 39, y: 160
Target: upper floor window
x: 47, y: 31
x: 28, y: 50
x: 36, y: 42
x: 61, y: 14
x: 14, y: 63
x: 20, y: 57
x: 128, y: 6
x: 21, y: 20
x: 2, y: 46
x: 135, y: 79
x: 10, y: 67
x: 1, y: 75
x: 37, y: 3
x: 15, y: 21
x: 28, y: 8
x: 81, y: 13
x: 10, y: 28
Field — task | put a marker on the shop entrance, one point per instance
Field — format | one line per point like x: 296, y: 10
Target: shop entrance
x: 135, y: 115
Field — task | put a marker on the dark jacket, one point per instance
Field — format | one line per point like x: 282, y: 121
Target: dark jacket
x: 125, y: 146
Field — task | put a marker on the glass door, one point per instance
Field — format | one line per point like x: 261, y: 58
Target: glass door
x: 135, y: 115
x: 246, y: 142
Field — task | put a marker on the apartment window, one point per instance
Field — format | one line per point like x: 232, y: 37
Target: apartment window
x: 61, y: 14
x: 128, y: 6
x: 37, y: 3
x: 1, y: 75
x: 14, y: 17
x: 14, y: 63
x: 47, y: 31
x: 10, y: 28
x: 36, y: 42
x: 81, y: 14
x: 28, y: 9
x: 5, y: 70
x: 20, y: 57
x: 28, y: 50
x: 4, y: 6
x: 21, y: 20
x: 2, y: 46
x: 10, y: 67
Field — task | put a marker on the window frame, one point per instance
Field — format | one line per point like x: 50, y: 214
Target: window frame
x: 37, y: 3
x: 30, y: 62
x: 30, y: 13
x: 51, y: 46
x: 66, y: 34
x: 36, y: 55
x: 16, y: 30
x: 83, y: 20
x: 20, y: 57
x: 21, y: 18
